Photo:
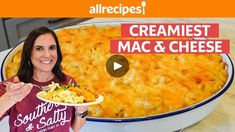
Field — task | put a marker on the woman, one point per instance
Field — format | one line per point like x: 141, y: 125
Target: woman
x: 40, y: 64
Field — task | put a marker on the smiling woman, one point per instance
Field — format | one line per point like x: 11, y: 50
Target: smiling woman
x: 44, y: 54
x: 40, y: 65
x: 38, y: 49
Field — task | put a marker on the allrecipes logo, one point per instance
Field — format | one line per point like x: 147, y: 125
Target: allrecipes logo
x: 118, y: 9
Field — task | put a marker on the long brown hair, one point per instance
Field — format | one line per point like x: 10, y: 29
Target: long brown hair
x: 25, y: 71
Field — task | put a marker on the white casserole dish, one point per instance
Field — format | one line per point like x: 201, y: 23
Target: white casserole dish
x: 166, y: 122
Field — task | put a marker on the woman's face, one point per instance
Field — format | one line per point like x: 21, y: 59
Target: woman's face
x: 44, y: 53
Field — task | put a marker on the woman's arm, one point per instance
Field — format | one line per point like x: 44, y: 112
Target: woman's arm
x: 78, y: 122
x: 6, y: 103
x: 80, y: 118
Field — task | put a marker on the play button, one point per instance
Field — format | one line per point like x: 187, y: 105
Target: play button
x: 117, y: 65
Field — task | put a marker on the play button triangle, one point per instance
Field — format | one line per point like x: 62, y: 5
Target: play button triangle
x: 116, y: 66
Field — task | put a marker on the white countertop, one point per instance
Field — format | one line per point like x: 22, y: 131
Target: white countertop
x: 223, y: 117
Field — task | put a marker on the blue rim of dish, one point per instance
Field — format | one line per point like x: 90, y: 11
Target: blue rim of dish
x: 151, y: 117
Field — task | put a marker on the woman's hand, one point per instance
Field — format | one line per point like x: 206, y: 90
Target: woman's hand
x: 17, y: 90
